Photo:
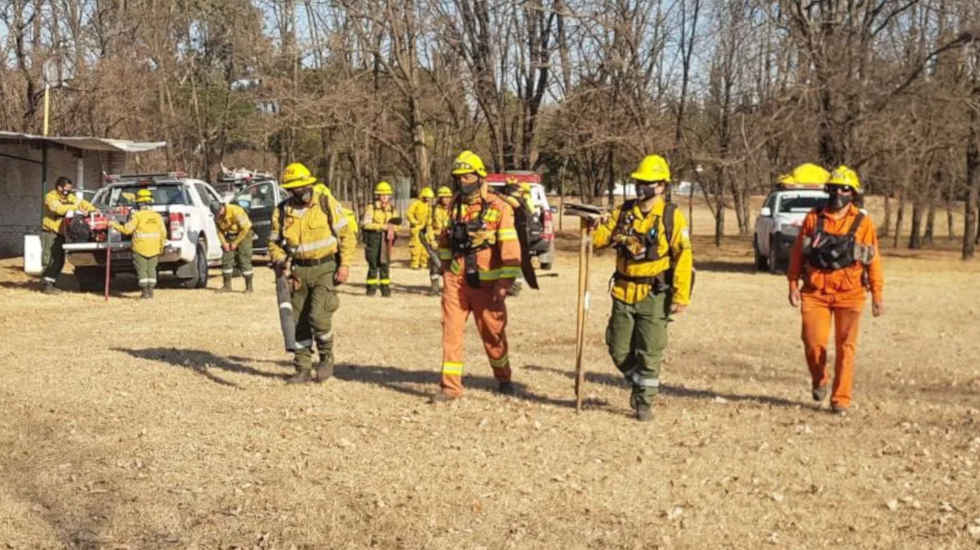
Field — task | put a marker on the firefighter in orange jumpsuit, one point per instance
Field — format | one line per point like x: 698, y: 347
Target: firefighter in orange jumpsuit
x: 836, y: 255
x: 481, y: 257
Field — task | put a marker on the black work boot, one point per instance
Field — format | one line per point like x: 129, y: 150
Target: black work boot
x: 248, y: 284
x: 49, y: 288
x: 386, y: 290
x: 302, y: 376
x: 644, y: 413
x: 150, y: 290
x: 324, y: 370
x: 434, y: 289
x: 820, y: 392
x: 144, y: 293
x: 226, y: 284
x: 372, y: 290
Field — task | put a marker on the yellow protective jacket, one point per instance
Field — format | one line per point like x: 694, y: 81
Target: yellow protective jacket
x: 376, y: 217
x: 418, y: 215
x: 308, y: 231
x: 148, y: 231
x: 499, y: 252
x: 234, y: 224
x: 438, y: 222
x: 677, y: 250
x: 56, y: 206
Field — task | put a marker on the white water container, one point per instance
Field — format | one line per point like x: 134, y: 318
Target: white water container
x: 32, y: 255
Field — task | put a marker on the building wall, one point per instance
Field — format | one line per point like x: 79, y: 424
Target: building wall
x: 20, y: 188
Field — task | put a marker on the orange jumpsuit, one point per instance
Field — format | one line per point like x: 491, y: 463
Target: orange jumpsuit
x: 498, y: 262
x: 837, y: 294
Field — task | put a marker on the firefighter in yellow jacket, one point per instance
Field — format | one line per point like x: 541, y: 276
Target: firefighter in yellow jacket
x: 418, y: 218
x: 235, y: 234
x: 438, y: 222
x: 149, y: 239
x: 378, y: 226
x: 481, y: 257
x: 311, y: 231
x: 652, y: 280
x: 59, y: 203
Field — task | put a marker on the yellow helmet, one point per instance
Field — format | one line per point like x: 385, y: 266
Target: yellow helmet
x: 444, y: 192
x: 383, y: 188
x: 843, y: 175
x: 296, y: 175
x: 468, y: 163
x: 426, y: 193
x: 144, y: 195
x: 810, y: 174
x: 652, y: 168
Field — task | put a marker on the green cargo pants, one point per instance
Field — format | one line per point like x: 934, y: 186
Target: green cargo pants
x: 378, y: 273
x: 636, y: 337
x: 241, y: 258
x: 314, y: 303
x: 146, y: 269
x: 52, y: 255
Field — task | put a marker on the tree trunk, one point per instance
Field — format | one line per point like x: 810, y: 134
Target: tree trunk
x: 899, y: 217
x: 927, y: 236
x: 915, y: 234
x: 885, y: 227
x: 970, y: 220
x: 719, y: 220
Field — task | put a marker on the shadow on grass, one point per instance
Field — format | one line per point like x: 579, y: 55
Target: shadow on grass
x: 360, y: 289
x: 725, y: 266
x: 676, y: 391
x: 201, y: 362
x: 397, y: 380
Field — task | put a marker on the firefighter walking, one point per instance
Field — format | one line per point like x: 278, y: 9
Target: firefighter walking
x: 59, y: 203
x: 481, y: 257
x: 235, y: 234
x: 652, y: 280
x: 149, y: 239
x: 311, y: 232
x: 418, y: 218
x: 836, y: 255
x: 378, y: 227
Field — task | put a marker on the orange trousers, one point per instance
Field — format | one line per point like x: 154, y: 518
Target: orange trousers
x: 458, y: 300
x: 845, y: 310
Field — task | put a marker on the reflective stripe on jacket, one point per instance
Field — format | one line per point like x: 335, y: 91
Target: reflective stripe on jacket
x: 376, y: 216
x: 846, y: 280
x: 148, y: 231
x: 308, y: 233
x: 57, y: 206
x: 679, y: 248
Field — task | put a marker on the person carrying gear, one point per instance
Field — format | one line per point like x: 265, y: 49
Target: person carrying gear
x: 310, y: 231
x: 235, y: 234
x: 59, y: 203
x: 481, y: 257
x: 149, y: 239
x: 438, y: 222
x: 418, y: 219
x: 836, y: 254
x: 518, y: 196
x: 654, y: 266
x: 377, y: 225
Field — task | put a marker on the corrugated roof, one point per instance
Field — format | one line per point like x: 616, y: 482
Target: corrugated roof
x: 89, y: 143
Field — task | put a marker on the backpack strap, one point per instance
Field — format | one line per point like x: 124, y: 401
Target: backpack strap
x: 819, y: 227
x: 856, y: 224
x: 325, y: 206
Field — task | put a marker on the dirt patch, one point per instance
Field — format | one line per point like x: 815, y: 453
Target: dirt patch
x: 167, y: 424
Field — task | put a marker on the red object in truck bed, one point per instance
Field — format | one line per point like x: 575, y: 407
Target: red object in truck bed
x: 519, y: 176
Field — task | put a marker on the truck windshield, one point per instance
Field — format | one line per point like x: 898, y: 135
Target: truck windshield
x: 801, y: 203
x: 125, y: 195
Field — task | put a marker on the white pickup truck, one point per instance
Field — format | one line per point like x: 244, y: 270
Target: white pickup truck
x: 192, y: 239
x: 779, y: 223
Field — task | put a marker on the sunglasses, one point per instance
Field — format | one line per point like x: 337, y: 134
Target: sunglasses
x: 840, y: 189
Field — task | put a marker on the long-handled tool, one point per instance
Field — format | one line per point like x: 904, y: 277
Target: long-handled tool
x: 588, y: 215
x: 108, y: 261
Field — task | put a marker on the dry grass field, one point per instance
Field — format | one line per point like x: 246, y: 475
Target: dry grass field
x: 168, y: 425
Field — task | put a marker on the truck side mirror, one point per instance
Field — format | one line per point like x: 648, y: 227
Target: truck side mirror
x: 765, y: 212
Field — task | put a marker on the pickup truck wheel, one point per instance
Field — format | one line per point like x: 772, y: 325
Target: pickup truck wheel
x: 761, y: 262
x: 774, y: 264
x: 200, y: 277
x: 90, y: 277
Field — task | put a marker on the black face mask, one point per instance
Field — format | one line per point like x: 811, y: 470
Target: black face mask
x: 645, y: 191
x: 302, y: 195
x: 838, y: 200
x: 64, y: 191
x: 467, y: 188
